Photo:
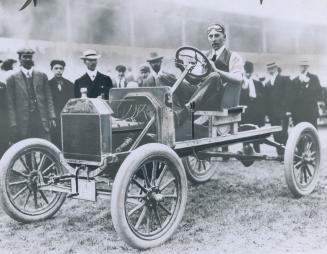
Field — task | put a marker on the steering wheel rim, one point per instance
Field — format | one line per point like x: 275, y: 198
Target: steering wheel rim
x: 206, y: 64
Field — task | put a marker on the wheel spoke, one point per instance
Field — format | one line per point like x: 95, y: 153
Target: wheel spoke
x: 20, y: 192
x: 136, y: 208
x: 27, y: 198
x: 146, y: 177
x: 136, y: 196
x: 18, y: 182
x: 170, y: 196
x: 154, y: 173
x: 24, y: 163
x: 148, y: 222
x: 41, y: 162
x: 157, y: 216
x: 166, y: 184
x: 297, y: 156
x: 305, y: 174
x: 308, y: 170
x: 141, y: 218
x: 139, y: 185
x: 34, y: 163
x: 301, y: 175
x: 298, y: 164
x: 20, y: 173
x: 161, y: 175
x: 44, y: 197
x: 35, y: 199
x: 165, y: 209
x: 199, y: 166
x: 48, y: 168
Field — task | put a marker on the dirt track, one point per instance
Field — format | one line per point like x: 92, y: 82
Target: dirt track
x: 241, y: 210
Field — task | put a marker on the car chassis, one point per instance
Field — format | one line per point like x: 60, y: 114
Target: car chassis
x: 127, y: 150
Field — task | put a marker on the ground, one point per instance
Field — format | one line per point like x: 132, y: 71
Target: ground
x: 241, y: 210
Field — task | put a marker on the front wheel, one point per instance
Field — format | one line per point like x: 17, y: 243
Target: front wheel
x: 302, y: 159
x: 22, y: 168
x: 149, y: 196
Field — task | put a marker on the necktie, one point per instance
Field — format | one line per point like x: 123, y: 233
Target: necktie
x: 119, y: 85
x: 214, y: 57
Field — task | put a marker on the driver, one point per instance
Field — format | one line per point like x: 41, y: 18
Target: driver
x: 226, y: 76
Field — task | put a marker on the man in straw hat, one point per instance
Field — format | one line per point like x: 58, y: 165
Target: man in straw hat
x: 97, y: 84
x: 30, y: 104
x: 306, y: 93
x: 278, y: 97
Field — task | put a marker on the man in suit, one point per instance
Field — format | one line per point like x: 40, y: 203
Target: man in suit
x: 221, y: 89
x: 4, y: 129
x: 278, y: 97
x: 307, y: 91
x: 252, y: 96
x: 30, y: 104
x: 62, y: 90
x: 97, y: 84
x: 120, y: 81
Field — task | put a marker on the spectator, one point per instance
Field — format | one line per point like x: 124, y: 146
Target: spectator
x: 307, y: 92
x: 62, y: 90
x: 252, y: 96
x: 144, y: 72
x: 97, y: 84
x: 120, y: 81
x: 30, y: 104
x: 277, y: 98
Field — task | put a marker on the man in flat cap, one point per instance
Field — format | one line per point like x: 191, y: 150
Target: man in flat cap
x: 144, y: 72
x: 120, y: 81
x: 278, y: 96
x: 62, y: 90
x: 306, y: 91
x: 30, y: 104
x: 97, y: 84
x: 221, y: 89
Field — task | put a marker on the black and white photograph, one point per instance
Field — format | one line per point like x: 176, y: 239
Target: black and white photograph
x: 163, y: 126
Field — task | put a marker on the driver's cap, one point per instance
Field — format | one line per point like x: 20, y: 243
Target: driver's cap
x: 217, y: 27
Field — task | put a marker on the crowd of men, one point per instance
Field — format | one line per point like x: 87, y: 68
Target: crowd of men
x: 31, y: 104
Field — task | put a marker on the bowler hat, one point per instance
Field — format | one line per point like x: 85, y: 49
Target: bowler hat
x: 154, y: 57
x: 90, y: 54
x: 60, y: 62
x: 121, y: 68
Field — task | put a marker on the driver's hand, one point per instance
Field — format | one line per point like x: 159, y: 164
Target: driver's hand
x: 213, y: 66
x: 178, y: 63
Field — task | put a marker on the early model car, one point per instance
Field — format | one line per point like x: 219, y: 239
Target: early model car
x: 130, y: 149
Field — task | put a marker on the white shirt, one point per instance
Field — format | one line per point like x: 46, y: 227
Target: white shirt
x: 273, y: 78
x: 249, y: 84
x: 236, y: 63
x: 120, y: 82
x: 304, y: 78
x: 92, y: 74
x: 156, y: 75
x: 27, y: 73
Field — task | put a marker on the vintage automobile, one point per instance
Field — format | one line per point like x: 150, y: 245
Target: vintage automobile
x: 130, y: 150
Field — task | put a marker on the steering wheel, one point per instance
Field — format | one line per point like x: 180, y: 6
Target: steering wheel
x: 190, y: 55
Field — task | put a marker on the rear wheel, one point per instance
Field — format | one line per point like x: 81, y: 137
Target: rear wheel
x: 22, y: 169
x: 149, y: 196
x: 198, y: 170
x: 302, y: 159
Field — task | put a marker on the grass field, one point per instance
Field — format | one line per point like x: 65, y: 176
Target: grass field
x: 241, y: 210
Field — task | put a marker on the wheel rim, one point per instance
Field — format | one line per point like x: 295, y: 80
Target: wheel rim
x: 152, y: 198
x: 199, y: 167
x: 306, y: 160
x: 23, y: 180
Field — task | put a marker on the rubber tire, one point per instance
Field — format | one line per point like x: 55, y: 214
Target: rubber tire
x: 8, y: 158
x: 288, y: 159
x: 128, y: 167
x: 196, y: 179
